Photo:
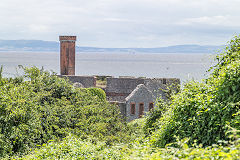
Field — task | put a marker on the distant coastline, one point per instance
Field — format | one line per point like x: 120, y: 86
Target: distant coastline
x: 51, y: 46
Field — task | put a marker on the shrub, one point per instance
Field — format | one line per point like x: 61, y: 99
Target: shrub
x: 153, y: 116
x: 202, y: 110
x: 189, y: 115
x: 73, y: 148
x: 40, y: 106
x: 98, y: 92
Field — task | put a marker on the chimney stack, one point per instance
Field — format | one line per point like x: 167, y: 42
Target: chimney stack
x: 67, y: 55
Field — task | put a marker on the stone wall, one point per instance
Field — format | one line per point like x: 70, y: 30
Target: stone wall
x: 156, y: 86
x: 120, y: 97
x: 126, y: 90
x: 86, y: 81
x: 141, y: 95
x: 118, y: 89
x: 122, y: 85
x: 122, y: 107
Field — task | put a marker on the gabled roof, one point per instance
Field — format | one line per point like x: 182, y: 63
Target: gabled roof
x: 141, y: 88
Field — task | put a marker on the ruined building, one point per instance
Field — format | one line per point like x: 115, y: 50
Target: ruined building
x: 134, y: 96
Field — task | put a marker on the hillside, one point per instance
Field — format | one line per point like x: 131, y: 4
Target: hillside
x: 39, y: 45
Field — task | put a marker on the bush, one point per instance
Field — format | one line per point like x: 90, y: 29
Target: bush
x: 189, y: 115
x: 202, y: 110
x: 40, y: 106
x: 153, y: 116
x: 98, y: 92
x: 73, y: 148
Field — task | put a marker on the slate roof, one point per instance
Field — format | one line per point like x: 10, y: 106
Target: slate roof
x: 140, y: 88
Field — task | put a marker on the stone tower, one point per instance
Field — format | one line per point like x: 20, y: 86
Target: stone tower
x: 67, y: 55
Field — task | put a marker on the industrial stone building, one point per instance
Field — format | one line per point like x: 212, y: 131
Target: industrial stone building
x: 140, y: 101
x: 134, y: 96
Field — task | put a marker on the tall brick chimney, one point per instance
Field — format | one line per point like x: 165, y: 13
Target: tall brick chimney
x: 67, y: 55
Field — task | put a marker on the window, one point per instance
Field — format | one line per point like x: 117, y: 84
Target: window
x: 132, y: 108
x: 141, y: 109
x: 150, y: 106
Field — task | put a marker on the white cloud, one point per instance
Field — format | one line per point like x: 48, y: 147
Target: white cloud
x: 38, y: 28
x: 207, y: 20
x: 226, y: 20
x: 122, y: 23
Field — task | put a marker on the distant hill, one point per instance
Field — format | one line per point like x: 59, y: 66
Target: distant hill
x: 39, y: 45
x: 28, y: 45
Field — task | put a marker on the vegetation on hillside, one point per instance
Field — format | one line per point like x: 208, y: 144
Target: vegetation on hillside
x: 72, y: 148
x: 44, y: 117
x: 202, y: 111
x: 40, y: 106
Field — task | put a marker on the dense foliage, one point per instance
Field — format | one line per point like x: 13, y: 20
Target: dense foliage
x: 41, y: 106
x: 203, y: 110
x: 202, y: 121
x: 73, y: 148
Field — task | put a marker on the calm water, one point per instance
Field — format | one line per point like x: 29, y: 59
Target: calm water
x: 183, y: 66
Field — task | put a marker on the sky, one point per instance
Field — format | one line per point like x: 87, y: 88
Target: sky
x: 122, y: 23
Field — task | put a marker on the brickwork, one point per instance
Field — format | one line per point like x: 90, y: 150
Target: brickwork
x: 67, y: 38
x: 67, y: 55
x: 127, y: 92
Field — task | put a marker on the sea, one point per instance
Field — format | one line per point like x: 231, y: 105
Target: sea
x: 189, y: 66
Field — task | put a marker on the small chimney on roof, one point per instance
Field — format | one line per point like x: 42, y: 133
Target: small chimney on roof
x: 67, y: 55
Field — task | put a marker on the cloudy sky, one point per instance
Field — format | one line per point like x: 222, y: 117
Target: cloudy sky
x: 122, y: 23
